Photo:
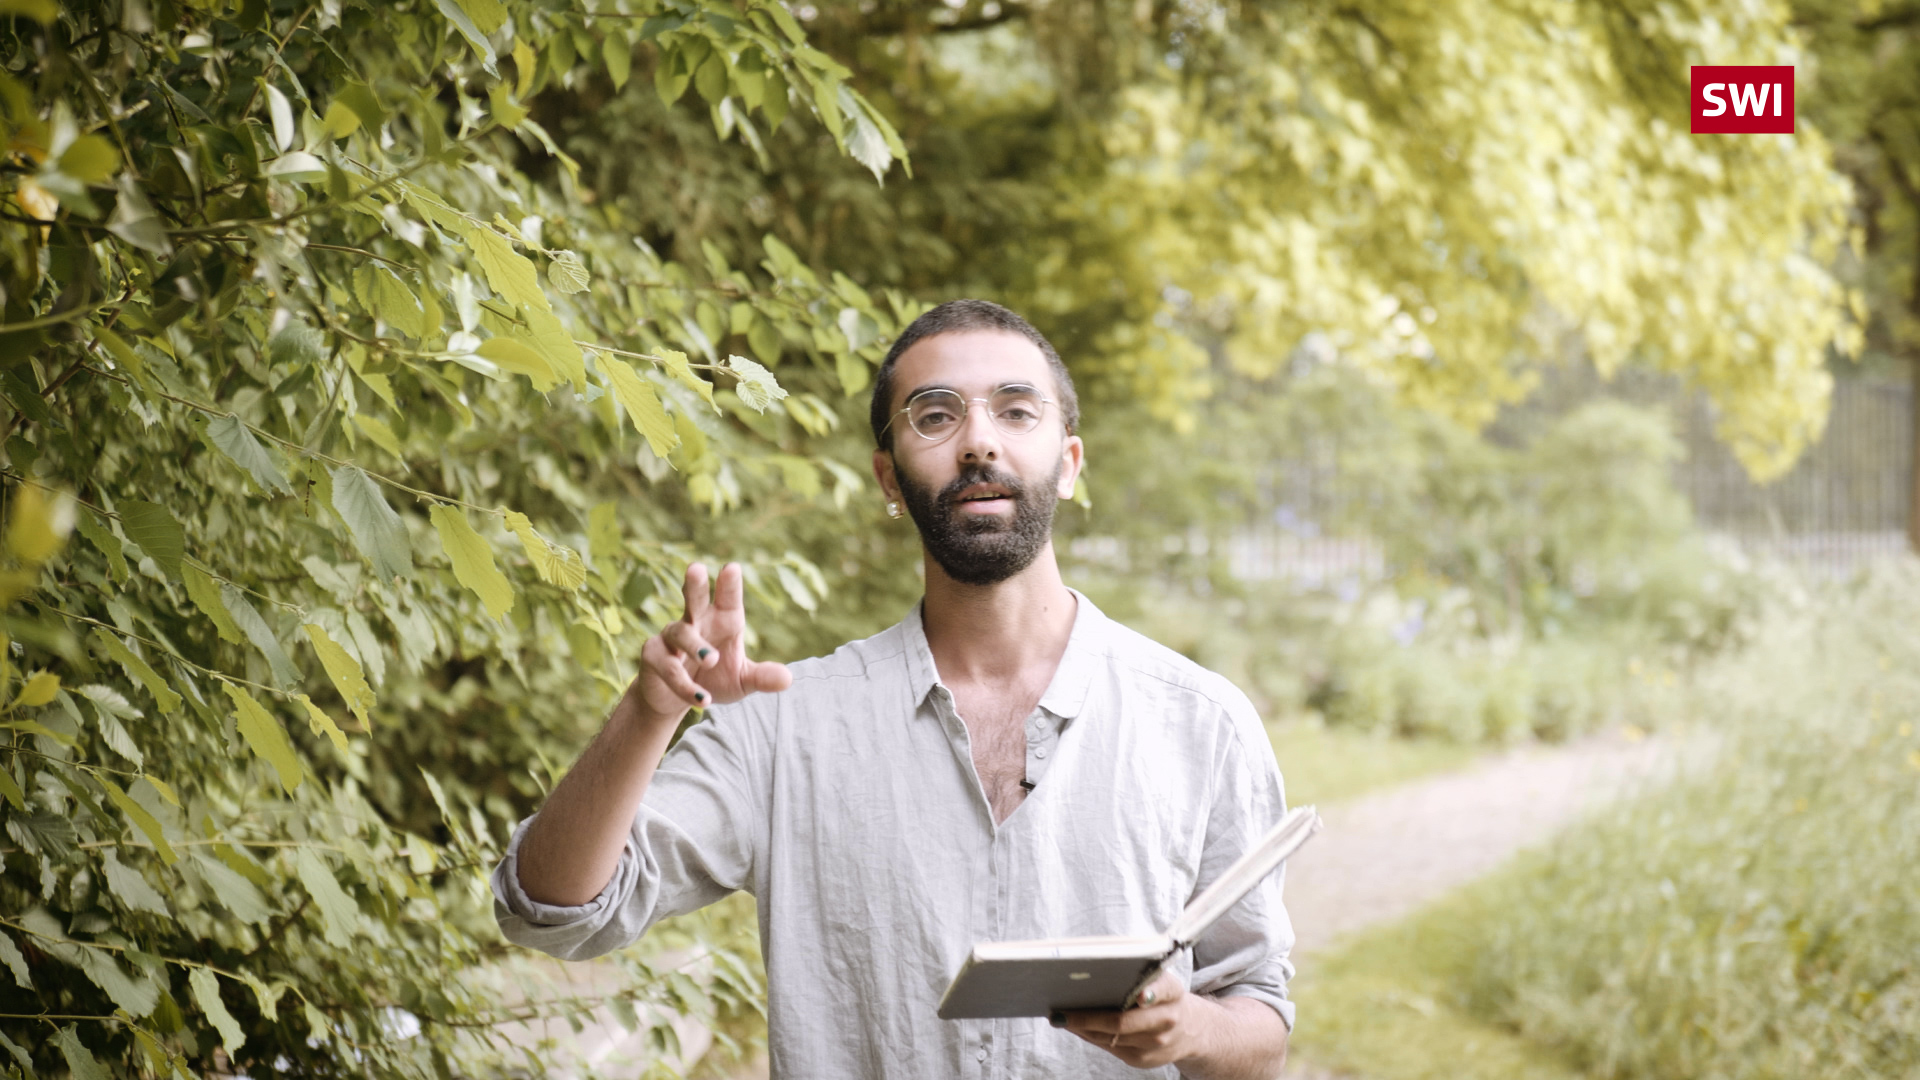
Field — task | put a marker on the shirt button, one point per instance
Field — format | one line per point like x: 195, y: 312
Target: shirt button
x: 980, y: 1054
x: 1040, y: 752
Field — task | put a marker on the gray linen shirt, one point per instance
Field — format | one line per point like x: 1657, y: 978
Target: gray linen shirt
x: 849, y: 806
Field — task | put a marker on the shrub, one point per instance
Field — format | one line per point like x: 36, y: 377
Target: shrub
x: 1759, y: 919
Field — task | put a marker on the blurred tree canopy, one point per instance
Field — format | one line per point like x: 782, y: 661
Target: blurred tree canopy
x: 1866, y: 95
x: 390, y: 361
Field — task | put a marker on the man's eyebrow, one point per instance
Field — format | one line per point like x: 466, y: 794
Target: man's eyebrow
x: 923, y: 388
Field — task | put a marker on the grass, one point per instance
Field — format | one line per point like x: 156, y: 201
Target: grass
x: 1390, y: 1005
x: 1328, y: 764
x: 1755, y: 920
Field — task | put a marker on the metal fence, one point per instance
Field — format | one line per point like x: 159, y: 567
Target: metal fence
x: 1844, y: 503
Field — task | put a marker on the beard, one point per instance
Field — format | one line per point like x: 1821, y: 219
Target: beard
x: 982, y: 549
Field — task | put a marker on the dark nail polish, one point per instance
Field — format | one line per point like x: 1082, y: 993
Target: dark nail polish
x: 1057, y: 1019
x: 700, y: 696
x: 702, y: 654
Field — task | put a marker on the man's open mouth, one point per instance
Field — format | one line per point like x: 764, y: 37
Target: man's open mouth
x: 984, y: 494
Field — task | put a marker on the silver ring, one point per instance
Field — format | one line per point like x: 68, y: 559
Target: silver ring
x: 1146, y: 998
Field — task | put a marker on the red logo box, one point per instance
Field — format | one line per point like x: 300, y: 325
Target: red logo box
x: 1743, y: 100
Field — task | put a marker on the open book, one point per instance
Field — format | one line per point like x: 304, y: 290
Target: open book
x: 1038, y: 978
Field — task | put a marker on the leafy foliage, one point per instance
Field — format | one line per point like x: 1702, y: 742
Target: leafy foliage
x: 334, y: 387
x: 326, y: 317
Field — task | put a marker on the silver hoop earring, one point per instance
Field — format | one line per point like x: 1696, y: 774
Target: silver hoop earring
x: 893, y: 509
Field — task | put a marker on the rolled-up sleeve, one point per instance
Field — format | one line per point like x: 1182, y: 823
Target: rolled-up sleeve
x: 1248, y: 952
x: 698, y: 835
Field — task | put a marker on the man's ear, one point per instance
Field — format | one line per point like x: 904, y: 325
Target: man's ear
x: 1073, y: 454
x: 883, y: 472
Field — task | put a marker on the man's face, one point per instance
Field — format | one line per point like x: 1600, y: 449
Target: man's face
x: 983, y: 499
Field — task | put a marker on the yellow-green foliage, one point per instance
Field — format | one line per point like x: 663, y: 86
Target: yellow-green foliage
x: 1759, y: 921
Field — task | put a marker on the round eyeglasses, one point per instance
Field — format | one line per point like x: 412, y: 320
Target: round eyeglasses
x: 935, y: 415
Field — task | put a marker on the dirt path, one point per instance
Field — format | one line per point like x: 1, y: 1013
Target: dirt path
x: 1383, y: 856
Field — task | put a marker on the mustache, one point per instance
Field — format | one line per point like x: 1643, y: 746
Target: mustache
x: 1016, y: 488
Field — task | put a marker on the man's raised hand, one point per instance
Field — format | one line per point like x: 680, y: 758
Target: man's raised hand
x: 701, y: 659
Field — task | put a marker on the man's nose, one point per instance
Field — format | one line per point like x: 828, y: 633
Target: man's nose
x: 979, y: 438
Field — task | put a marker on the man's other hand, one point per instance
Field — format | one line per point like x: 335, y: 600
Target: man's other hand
x: 1169, y: 1025
x: 701, y: 659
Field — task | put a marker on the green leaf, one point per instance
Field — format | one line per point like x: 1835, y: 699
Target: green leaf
x: 80, y: 1060
x: 345, y: 672
x: 142, y: 820
x: 248, y: 619
x: 322, y: 724
x: 555, y: 563
x: 40, y: 11
x: 376, y: 429
x: 136, y: 993
x: 234, y: 892
x: 337, y: 910
x: 852, y: 371
x: 16, y: 963
x: 711, y: 77
x: 340, y: 121
x: 281, y: 113
x: 379, y: 532
x: 117, y: 650
x: 488, y: 15
x: 550, y: 339
x: 297, y: 345
x: 153, y: 527
x: 135, y: 222
x: 233, y: 439
x: 10, y: 788
x: 868, y: 146
x: 132, y: 887
x: 38, y: 691
x: 206, y: 991
x: 757, y: 388
x: 520, y: 359
x: 265, y: 735
x: 568, y: 274
x: 205, y: 594
x: 436, y: 210
x: 100, y: 535
x: 91, y: 159
x: 457, y: 15
x: 472, y: 560
x: 643, y: 406
x: 617, y: 52
x: 386, y: 297
x: 508, y: 272
x: 678, y: 367
x: 360, y: 98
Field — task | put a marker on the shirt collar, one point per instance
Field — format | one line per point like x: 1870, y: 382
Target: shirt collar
x: 1065, y: 695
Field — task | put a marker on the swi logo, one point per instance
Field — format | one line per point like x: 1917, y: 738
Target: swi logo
x: 1743, y: 100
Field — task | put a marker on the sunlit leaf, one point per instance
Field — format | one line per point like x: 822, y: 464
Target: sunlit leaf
x: 265, y: 736
x: 472, y: 560
x: 206, y: 993
x: 642, y: 403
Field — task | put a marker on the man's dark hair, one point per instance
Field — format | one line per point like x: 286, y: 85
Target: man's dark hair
x: 956, y: 316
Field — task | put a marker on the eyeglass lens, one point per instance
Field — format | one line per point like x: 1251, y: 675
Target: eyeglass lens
x: 937, y: 414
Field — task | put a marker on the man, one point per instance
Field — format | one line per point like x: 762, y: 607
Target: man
x: 1005, y: 763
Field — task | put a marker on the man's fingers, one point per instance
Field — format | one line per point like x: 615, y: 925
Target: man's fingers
x: 683, y: 637
x: 695, y: 591
x: 660, y: 660
x: 766, y: 676
x: 729, y: 592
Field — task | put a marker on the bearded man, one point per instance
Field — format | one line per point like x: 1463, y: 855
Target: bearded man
x: 1004, y: 763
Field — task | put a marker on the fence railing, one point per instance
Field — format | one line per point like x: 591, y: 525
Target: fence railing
x: 1844, y: 504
